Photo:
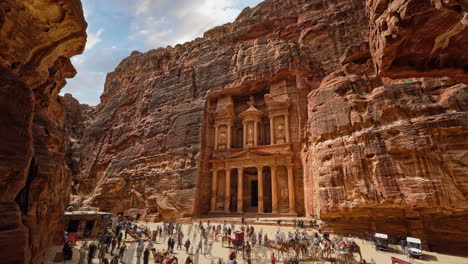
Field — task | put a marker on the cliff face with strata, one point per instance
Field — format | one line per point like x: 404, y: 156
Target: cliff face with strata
x: 390, y: 155
x: 146, y: 149
x: 385, y: 154
x: 38, y: 38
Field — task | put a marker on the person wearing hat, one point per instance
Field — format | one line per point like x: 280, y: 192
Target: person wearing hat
x: 232, y: 258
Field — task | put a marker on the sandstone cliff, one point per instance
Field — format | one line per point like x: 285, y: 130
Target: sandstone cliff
x: 377, y: 154
x: 389, y: 157
x: 145, y: 147
x: 37, y: 40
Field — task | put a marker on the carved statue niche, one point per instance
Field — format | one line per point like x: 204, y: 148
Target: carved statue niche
x: 223, y: 121
x: 222, y: 137
x: 250, y: 120
x: 280, y: 133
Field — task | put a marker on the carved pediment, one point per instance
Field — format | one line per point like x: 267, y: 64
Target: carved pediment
x: 249, y: 153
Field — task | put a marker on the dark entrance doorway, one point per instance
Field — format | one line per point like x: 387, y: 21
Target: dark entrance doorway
x: 254, y: 188
x: 73, y: 226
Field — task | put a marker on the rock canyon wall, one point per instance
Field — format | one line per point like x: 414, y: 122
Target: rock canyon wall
x: 37, y: 40
x: 373, y: 153
x: 148, y: 145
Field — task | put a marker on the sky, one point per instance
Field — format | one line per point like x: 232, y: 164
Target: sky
x: 118, y: 27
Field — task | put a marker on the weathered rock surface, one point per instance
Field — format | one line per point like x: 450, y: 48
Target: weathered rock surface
x: 411, y: 38
x: 389, y: 157
x: 37, y: 40
x: 386, y: 154
x: 144, y: 148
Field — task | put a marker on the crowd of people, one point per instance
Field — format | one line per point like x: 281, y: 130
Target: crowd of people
x: 198, y: 239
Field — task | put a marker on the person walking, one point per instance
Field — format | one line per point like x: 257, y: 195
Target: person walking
x: 146, y: 256
x: 119, y: 239
x: 139, y: 253
x: 91, y: 252
x: 102, y: 252
x: 67, y: 251
x: 199, y: 247
x: 187, y: 245
x: 113, y: 244
x: 82, y: 251
x: 122, y: 250
x: 115, y: 260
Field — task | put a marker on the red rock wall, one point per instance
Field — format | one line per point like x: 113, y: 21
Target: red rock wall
x: 411, y: 38
x: 145, y: 149
x: 388, y: 156
x: 34, y: 62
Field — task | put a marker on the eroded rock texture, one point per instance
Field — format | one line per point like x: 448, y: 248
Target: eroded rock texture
x: 389, y: 157
x: 145, y: 148
x: 412, y: 38
x: 37, y: 40
x: 384, y: 155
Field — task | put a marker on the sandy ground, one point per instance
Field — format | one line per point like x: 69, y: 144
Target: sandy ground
x: 260, y: 255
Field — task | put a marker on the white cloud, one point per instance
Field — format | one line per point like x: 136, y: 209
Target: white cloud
x: 93, y: 39
x: 158, y: 23
x: 140, y: 25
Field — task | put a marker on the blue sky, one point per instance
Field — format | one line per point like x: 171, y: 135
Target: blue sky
x: 117, y: 27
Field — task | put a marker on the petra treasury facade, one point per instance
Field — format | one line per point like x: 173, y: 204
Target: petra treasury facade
x: 254, y: 164
x: 354, y: 112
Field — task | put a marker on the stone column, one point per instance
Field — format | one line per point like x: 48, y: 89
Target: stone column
x: 216, y: 138
x: 214, y: 189
x: 286, y: 122
x: 274, y: 190
x: 229, y: 137
x: 227, y: 191
x: 272, y: 131
x: 292, y: 197
x: 244, y: 136
x: 260, y: 190
x: 240, y: 197
x: 255, y: 133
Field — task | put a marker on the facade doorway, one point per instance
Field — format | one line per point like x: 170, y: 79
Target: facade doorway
x: 254, y: 193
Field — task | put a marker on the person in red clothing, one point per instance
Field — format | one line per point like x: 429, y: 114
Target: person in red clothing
x: 273, y: 259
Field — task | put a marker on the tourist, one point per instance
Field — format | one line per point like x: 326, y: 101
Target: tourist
x: 139, y: 253
x: 114, y: 244
x: 188, y: 260
x: 105, y: 261
x: 232, y: 258
x: 122, y: 250
x: 102, y: 252
x: 91, y: 252
x: 180, y: 237
x: 146, y: 256
x: 119, y: 239
x: 247, y: 249
x: 187, y: 245
x: 82, y: 251
x: 273, y: 259
x: 108, y: 241
x: 199, y: 247
x: 67, y: 251
x: 115, y: 260
x: 206, y: 246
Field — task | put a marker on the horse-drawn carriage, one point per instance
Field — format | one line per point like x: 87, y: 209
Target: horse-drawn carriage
x: 237, y: 241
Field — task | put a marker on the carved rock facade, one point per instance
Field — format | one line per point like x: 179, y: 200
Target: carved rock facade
x: 381, y: 154
x: 37, y: 40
